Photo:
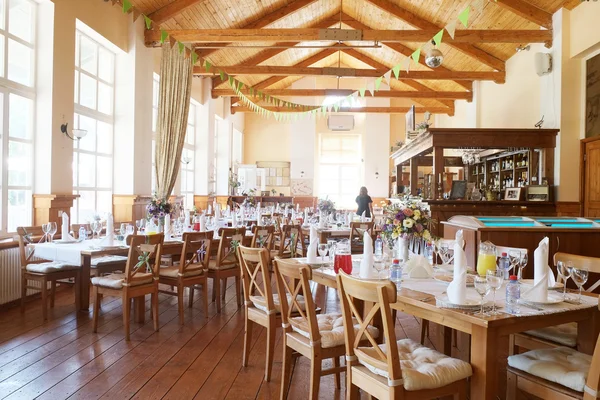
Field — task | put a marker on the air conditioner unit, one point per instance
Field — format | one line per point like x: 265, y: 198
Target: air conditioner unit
x: 340, y: 122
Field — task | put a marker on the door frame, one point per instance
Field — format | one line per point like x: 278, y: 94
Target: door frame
x: 582, y: 161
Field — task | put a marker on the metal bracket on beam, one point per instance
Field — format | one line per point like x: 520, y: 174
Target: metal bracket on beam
x: 340, y: 34
x: 334, y: 71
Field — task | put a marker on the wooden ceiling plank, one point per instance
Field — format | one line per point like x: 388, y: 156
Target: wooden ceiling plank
x: 400, y: 94
x: 171, y: 10
x: 377, y: 110
x: 421, y: 23
x: 528, y: 11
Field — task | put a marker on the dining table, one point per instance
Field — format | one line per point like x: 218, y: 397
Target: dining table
x: 424, y: 298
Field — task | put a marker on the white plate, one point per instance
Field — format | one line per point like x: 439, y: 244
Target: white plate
x: 468, y: 303
x: 551, y: 300
x: 529, y: 282
x: 114, y: 247
x: 64, y: 241
x: 319, y: 263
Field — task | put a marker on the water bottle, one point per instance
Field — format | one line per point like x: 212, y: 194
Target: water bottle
x: 429, y: 253
x: 82, y: 233
x: 513, y: 294
x: 378, y: 246
x: 504, y: 265
x: 396, y: 273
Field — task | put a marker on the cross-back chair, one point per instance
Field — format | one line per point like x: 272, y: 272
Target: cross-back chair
x: 398, y: 369
x: 43, y: 271
x: 289, y: 247
x: 191, y: 271
x: 139, y: 279
x: 559, y: 335
x: 555, y: 373
x: 225, y: 264
x: 317, y: 337
x: 263, y: 237
x: 357, y: 231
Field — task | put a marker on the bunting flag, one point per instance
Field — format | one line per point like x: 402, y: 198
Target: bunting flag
x: 172, y: 41
x: 378, y: 83
x: 127, y: 6
x: 208, y: 66
x: 362, y: 91
x: 396, y: 71
x: 407, y: 64
x: 195, y: 57
x: 416, y: 55
x: 451, y: 28
x: 388, y: 77
x: 463, y: 17
x: 477, y: 6
x: 163, y: 36
x: 437, y: 39
x: 148, y: 22
x: 181, y: 47
x: 371, y: 87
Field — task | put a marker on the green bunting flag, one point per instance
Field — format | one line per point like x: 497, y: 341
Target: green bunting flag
x: 378, y: 82
x: 240, y: 85
x: 126, y: 6
x: 163, y: 36
x: 148, y: 22
x: 362, y: 92
x: 396, y: 71
x: 437, y: 39
x: 208, y: 66
x: 181, y: 47
x: 222, y: 75
x: 416, y: 55
x: 464, y: 16
x: 194, y: 57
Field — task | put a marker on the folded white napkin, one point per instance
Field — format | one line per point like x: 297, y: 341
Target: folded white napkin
x: 305, y: 215
x: 418, y: 267
x: 228, y: 210
x: 234, y: 220
x: 187, y: 218
x: 278, y: 209
x: 258, y: 217
x: 363, y: 216
x: 65, y: 228
x: 167, y: 226
x: 258, y: 206
x: 209, y: 210
x: 457, y: 290
x: 298, y: 207
x: 539, y: 292
x: 321, y: 220
x: 110, y: 231
x: 366, y: 264
x: 349, y: 217
x: 311, y: 253
x: 218, y: 211
x: 203, y: 223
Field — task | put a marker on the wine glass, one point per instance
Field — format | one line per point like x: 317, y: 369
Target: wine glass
x: 138, y: 224
x: 495, y: 279
x: 443, y: 252
x: 514, y: 257
x: 45, y: 229
x: 379, y: 264
x: 482, y: 287
x: 580, y: 277
x: 123, y: 229
x: 128, y: 232
x: 522, y: 264
x: 322, y: 249
x: 564, y: 270
x: 52, y: 230
x: 97, y: 228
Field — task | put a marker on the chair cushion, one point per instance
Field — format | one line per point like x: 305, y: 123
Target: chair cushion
x: 212, y: 264
x: 115, y: 281
x: 50, y: 266
x: 422, y: 368
x: 562, y: 365
x: 565, y: 334
x: 331, y: 328
x: 261, y: 304
x: 99, y: 261
x: 173, y: 272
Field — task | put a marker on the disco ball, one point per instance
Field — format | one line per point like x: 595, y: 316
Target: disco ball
x: 434, y: 58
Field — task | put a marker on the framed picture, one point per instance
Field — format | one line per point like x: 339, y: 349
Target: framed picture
x: 458, y: 190
x: 512, y: 194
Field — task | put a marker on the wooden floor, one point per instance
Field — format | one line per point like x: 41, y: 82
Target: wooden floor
x: 63, y: 358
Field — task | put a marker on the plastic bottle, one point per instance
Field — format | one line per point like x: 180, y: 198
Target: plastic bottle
x: 82, y: 233
x: 513, y: 294
x: 378, y: 246
x: 429, y: 253
x: 504, y: 265
x: 396, y: 273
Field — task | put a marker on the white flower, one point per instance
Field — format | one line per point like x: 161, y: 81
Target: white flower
x: 408, y: 223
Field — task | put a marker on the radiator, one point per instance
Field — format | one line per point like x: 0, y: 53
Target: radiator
x: 10, y: 276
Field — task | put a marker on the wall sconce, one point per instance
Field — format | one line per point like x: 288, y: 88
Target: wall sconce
x: 376, y: 175
x: 77, y: 133
x: 185, y: 160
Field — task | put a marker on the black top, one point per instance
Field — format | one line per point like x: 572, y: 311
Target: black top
x: 363, y: 205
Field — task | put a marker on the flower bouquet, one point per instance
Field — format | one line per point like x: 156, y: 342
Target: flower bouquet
x: 158, y: 208
x: 406, y: 221
x: 326, y: 206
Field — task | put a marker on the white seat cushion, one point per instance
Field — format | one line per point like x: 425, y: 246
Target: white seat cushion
x: 173, y: 272
x: 50, y: 266
x: 562, y: 365
x: 422, y: 367
x: 260, y: 302
x: 115, y: 281
x: 331, y: 328
x: 565, y: 334
x: 99, y: 261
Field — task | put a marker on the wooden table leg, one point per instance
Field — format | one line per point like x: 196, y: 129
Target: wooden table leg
x: 139, y: 309
x: 484, y: 349
x: 587, y: 333
x: 84, y: 286
x: 447, y: 344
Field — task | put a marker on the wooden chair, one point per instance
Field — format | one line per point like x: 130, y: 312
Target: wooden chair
x: 555, y: 373
x: 317, y: 337
x: 192, y: 270
x: 263, y: 237
x: 225, y: 264
x: 357, y: 231
x: 261, y: 305
x: 137, y: 281
x: 43, y: 271
x: 291, y: 237
x: 377, y: 369
x: 559, y: 335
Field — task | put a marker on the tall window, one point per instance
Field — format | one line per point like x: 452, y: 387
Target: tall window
x: 212, y: 183
x: 17, y: 101
x: 186, y: 173
x: 339, y: 168
x: 94, y: 106
x: 155, y: 91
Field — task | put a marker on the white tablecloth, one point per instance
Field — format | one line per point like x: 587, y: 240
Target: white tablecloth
x: 69, y: 253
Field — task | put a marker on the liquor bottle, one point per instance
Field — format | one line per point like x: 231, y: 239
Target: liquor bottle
x: 525, y: 160
x: 520, y: 182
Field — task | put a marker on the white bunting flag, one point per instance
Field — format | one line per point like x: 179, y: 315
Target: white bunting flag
x: 451, y: 28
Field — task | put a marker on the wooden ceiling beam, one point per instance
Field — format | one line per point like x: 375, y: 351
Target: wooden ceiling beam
x: 462, y: 37
x: 420, y: 23
x: 528, y: 11
x: 398, y: 94
x: 171, y: 10
x: 268, y: 19
x: 496, y: 76
x: 374, y: 110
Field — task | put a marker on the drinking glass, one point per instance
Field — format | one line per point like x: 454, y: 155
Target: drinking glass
x: 443, y: 252
x: 580, y: 277
x: 138, y: 224
x: 52, y: 230
x: 129, y: 231
x: 45, y: 229
x: 322, y: 249
x: 495, y: 278
x: 123, y: 229
x: 564, y: 270
x: 522, y: 264
x: 97, y: 228
x: 482, y: 286
x: 379, y: 265
x: 514, y: 257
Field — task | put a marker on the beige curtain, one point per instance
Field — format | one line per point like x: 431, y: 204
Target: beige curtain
x: 173, y: 106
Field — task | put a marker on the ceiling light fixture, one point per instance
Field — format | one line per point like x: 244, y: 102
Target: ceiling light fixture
x: 434, y: 57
